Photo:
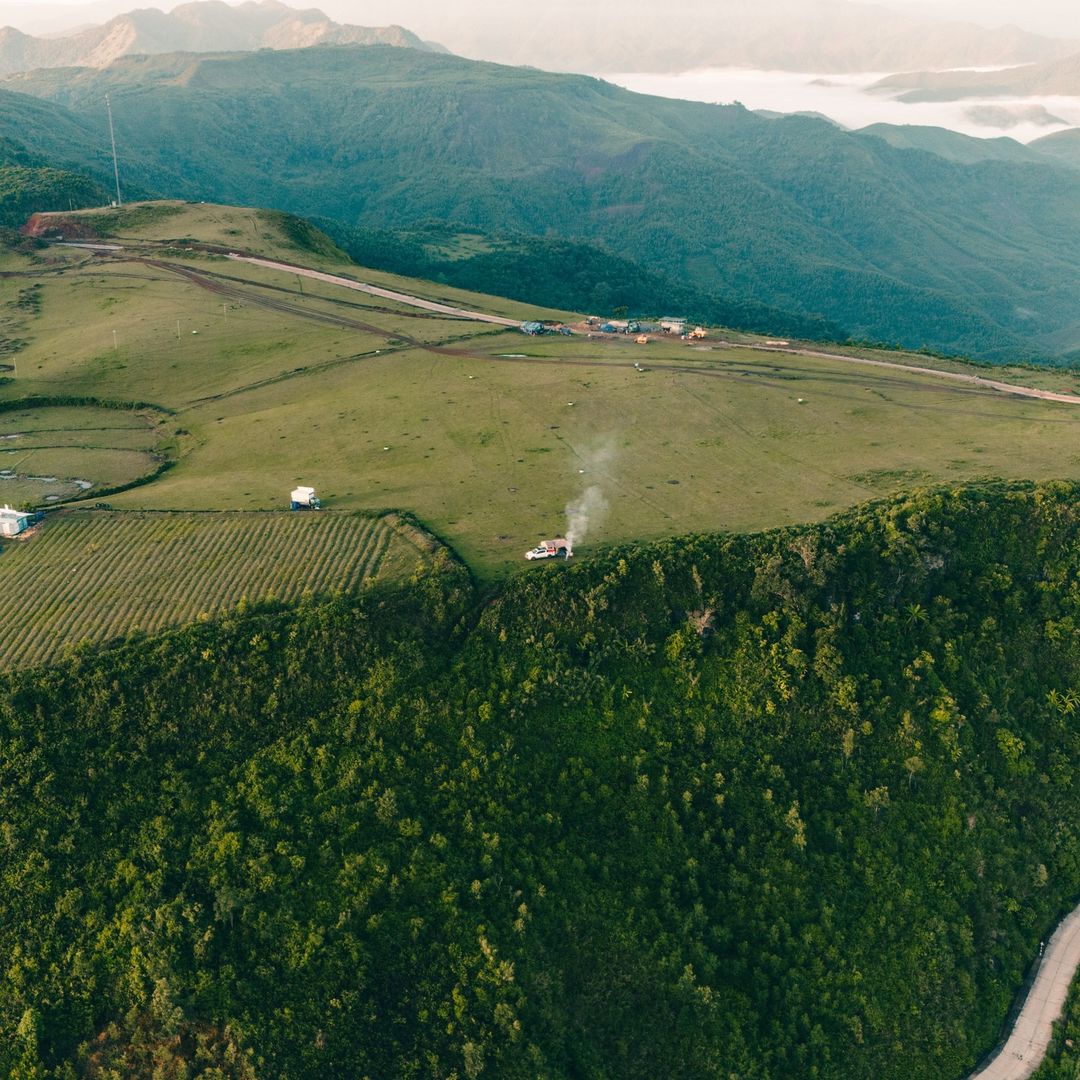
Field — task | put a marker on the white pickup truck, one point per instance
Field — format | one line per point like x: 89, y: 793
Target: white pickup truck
x: 550, y: 548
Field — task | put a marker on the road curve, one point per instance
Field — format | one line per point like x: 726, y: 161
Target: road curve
x: 375, y: 290
x: 1029, y: 1040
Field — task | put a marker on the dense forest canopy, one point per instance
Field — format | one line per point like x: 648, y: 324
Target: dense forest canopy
x: 795, y: 804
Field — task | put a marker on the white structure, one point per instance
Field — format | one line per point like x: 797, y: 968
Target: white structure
x: 672, y: 325
x: 303, y: 498
x: 13, y: 522
x: 550, y: 548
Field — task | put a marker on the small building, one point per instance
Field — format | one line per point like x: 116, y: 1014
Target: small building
x: 13, y: 522
x: 672, y: 325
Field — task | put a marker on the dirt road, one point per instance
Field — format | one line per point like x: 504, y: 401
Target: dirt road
x: 955, y: 376
x: 375, y: 290
x: 463, y: 313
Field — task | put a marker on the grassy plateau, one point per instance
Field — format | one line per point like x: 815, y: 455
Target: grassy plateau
x: 804, y: 798
x: 268, y: 379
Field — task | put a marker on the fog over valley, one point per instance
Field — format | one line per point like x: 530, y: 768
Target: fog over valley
x: 850, y: 101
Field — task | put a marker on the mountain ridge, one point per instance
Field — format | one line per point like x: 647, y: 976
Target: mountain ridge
x: 893, y: 245
x: 1057, y: 77
x: 200, y: 27
x: 833, y: 38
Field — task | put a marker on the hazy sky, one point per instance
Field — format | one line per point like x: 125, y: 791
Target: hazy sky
x: 434, y: 17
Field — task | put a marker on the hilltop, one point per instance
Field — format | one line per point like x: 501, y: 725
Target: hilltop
x: 260, y: 380
x: 793, y: 214
x: 202, y: 26
x: 1060, y: 77
x: 715, y: 800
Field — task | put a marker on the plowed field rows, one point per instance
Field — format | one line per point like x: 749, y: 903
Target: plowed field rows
x: 97, y: 576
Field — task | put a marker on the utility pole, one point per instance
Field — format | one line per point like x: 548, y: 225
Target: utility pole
x: 112, y: 138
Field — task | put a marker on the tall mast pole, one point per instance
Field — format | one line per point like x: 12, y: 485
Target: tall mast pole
x: 115, y: 163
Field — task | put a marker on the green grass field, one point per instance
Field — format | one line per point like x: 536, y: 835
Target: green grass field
x: 99, y: 576
x: 485, y: 435
x: 50, y: 454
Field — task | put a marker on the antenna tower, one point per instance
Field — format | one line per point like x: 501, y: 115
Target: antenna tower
x: 115, y: 163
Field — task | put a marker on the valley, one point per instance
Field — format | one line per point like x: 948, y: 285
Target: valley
x: 783, y: 225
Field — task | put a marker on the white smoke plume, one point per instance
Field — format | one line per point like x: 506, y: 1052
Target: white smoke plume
x: 584, y: 513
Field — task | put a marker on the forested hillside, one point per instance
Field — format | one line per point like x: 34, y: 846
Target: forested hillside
x: 29, y: 183
x: 890, y: 244
x: 558, y: 274
x: 797, y: 804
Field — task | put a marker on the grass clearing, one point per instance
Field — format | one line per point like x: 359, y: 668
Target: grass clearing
x: 490, y: 452
x: 98, y: 576
x: 49, y: 454
x: 483, y: 434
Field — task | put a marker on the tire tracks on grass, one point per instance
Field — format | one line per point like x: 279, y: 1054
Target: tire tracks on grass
x: 230, y: 287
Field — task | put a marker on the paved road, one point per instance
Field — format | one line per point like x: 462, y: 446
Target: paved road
x: 375, y: 290
x: 1026, y: 1048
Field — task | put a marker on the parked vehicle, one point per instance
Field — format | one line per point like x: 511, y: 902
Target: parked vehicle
x: 549, y: 549
x: 303, y: 498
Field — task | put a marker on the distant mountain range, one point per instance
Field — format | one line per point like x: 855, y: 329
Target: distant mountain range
x: 1058, y: 77
x: 203, y: 26
x: 829, y: 36
x: 890, y: 244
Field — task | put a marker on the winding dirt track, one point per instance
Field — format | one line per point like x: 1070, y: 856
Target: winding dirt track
x: 955, y: 376
x: 375, y: 290
x: 430, y: 305
x: 248, y: 291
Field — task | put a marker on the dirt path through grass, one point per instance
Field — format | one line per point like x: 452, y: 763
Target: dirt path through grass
x: 429, y: 305
x: 955, y: 376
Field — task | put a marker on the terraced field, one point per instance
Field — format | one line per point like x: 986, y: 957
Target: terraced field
x: 49, y: 454
x: 98, y: 576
